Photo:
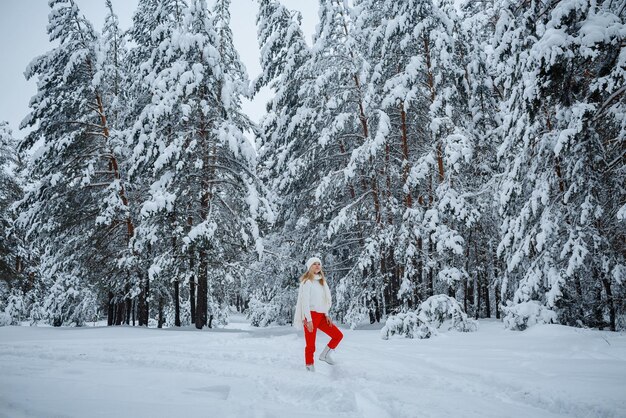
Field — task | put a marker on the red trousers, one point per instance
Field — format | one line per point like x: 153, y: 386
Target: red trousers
x: 319, y: 322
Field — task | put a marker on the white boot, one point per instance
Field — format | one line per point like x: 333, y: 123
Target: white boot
x: 310, y: 368
x: 326, y: 355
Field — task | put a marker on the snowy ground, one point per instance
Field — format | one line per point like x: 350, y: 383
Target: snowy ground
x: 239, y: 371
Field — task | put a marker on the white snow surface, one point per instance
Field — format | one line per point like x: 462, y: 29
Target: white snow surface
x: 241, y: 371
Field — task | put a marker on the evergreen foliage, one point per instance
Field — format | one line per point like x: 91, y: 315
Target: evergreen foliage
x: 14, y: 264
x: 430, y: 151
x: 561, y: 149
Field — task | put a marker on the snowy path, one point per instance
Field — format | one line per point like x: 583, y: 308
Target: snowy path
x: 547, y: 371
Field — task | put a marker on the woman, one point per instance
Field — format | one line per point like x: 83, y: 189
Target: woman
x: 314, y: 301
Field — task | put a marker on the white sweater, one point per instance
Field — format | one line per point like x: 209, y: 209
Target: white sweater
x: 312, y: 296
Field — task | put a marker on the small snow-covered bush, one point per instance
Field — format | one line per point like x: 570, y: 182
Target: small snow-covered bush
x: 262, y: 314
x: 525, y: 314
x: 69, y: 302
x: 408, y: 324
x: 438, y: 312
x: 218, y: 314
x: 12, y: 311
x: 620, y: 323
x: 356, y: 315
x: 275, y: 308
x: 5, y: 319
x: 443, y: 311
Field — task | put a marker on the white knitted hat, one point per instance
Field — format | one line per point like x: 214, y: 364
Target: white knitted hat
x: 312, y: 260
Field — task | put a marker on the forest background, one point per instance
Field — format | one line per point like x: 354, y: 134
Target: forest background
x: 473, y: 149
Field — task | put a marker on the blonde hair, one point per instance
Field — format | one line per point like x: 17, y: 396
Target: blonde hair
x: 308, y: 275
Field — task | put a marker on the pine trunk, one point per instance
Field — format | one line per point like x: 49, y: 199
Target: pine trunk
x: 209, y: 154
x: 114, y: 166
x: 431, y: 283
x: 598, y: 307
x: 176, y: 303
x: 610, y: 303
x: 420, y: 267
x: 497, y: 282
x: 110, y: 310
x: 119, y: 312
x: 128, y: 306
x: 142, y: 304
x: 496, y: 293
x: 202, y: 296
x: 377, y: 210
x: 440, y: 162
x: 466, y: 288
x: 487, y: 300
x: 465, y: 294
x: 192, y: 281
x: 477, y: 296
x: 430, y: 80
x: 161, y: 315
x: 388, y: 193
x: 192, y: 299
x: 557, y: 160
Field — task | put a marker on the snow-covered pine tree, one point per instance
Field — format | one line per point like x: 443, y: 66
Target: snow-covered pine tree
x: 473, y: 38
x: 364, y: 226
x: 190, y: 138
x: 348, y: 214
x: 391, y: 90
x: 19, y: 292
x: 562, y: 69
x: 13, y: 255
x: 248, y: 200
x: 157, y: 242
x: 283, y: 49
x: 76, y: 207
x: 316, y: 119
x: 442, y: 167
x: 420, y: 150
x: 10, y: 192
x: 112, y: 77
x: 283, y: 53
x: 113, y: 70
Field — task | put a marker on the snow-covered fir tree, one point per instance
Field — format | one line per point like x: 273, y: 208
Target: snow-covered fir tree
x: 14, y: 259
x: 561, y: 71
x: 419, y: 152
x: 113, y: 69
x: 283, y: 53
x: 113, y: 78
x: 343, y: 216
x: 76, y: 206
x: 189, y: 138
x: 483, y: 284
x: 154, y: 25
x: 10, y: 192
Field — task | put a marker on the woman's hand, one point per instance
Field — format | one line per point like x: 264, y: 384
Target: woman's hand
x: 308, y: 325
x: 329, y: 321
